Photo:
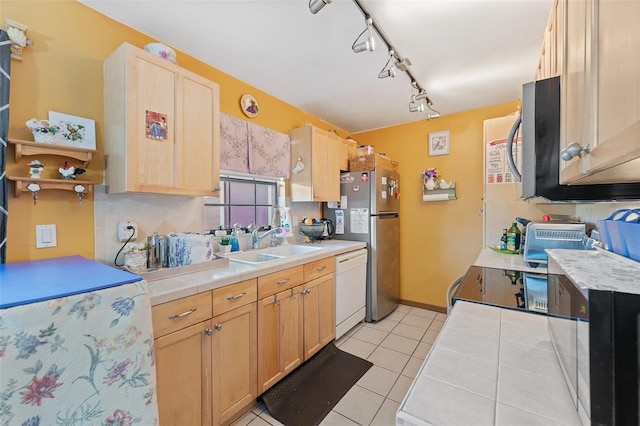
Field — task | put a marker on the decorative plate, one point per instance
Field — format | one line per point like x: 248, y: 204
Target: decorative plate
x: 249, y: 106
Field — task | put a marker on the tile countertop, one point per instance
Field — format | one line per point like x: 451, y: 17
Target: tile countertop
x: 489, y: 366
x: 597, y: 269
x: 168, y: 289
x: 514, y: 262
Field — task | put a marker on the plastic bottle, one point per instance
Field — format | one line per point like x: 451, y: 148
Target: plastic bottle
x: 503, y: 240
x: 234, y: 244
x: 513, y: 237
x: 234, y: 238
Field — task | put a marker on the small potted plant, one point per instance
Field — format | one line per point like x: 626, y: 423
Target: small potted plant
x: 225, y: 244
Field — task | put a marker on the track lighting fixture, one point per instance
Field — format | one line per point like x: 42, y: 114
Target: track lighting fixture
x: 389, y: 69
x: 422, y: 95
x: 416, y: 106
x: 316, y: 6
x: 367, y: 44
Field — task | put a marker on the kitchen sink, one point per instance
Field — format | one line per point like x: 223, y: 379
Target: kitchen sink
x: 259, y: 256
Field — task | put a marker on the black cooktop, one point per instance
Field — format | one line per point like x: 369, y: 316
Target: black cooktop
x: 503, y: 288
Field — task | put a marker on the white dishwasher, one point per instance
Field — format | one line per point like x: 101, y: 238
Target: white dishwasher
x: 351, y: 290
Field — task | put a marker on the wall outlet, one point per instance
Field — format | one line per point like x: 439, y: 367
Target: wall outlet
x: 124, y: 231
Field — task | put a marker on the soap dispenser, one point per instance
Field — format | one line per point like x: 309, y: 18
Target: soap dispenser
x: 234, y: 238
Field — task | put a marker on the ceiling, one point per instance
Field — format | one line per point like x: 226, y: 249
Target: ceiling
x: 466, y: 54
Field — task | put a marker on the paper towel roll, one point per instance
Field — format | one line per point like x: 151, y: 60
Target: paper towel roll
x: 435, y: 197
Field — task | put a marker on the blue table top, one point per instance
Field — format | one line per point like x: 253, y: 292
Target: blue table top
x: 22, y: 283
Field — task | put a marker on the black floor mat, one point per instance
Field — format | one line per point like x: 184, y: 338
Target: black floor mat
x: 308, y: 394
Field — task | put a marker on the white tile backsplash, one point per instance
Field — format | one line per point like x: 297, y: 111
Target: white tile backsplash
x: 162, y: 214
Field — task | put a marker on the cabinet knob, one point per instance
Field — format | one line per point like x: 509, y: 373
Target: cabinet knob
x: 573, y: 150
x: 208, y: 332
x: 218, y: 327
x: 217, y: 188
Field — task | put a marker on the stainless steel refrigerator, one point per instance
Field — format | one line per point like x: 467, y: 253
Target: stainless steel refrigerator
x: 369, y: 211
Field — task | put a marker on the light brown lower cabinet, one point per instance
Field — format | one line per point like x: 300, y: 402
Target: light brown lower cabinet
x: 217, y: 351
x: 319, y: 303
x: 280, y: 335
x: 183, y: 370
x: 234, y: 374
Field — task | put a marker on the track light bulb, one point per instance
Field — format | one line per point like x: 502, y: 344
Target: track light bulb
x: 416, y: 107
x: 316, y: 5
x: 364, y: 46
x: 434, y: 115
x: 389, y: 72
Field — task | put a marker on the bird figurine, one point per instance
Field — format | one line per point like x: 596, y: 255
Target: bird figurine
x: 67, y: 171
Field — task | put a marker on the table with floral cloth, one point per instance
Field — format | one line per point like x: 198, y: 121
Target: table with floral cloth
x: 84, y: 358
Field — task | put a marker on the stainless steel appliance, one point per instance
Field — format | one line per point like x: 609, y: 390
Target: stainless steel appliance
x: 540, y: 172
x: 502, y: 288
x: 596, y: 336
x: 369, y: 212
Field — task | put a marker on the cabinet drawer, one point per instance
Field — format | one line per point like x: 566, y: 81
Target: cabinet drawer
x: 319, y: 268
x: 282, y: 280
x: 234, y: 296
x: 177, y: 314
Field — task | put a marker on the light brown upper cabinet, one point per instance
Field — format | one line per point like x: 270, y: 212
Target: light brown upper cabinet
x: 319, y: 179
x: 600, y: 83
x: 162, y: 126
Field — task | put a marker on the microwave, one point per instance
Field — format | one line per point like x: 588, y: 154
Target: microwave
x: 596, y: 337
x: 539, y: 124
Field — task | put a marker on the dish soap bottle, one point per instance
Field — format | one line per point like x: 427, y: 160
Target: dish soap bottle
x: 234, y: 238
x: 513, y: 237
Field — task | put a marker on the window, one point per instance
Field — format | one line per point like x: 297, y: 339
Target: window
x: 243, y: 201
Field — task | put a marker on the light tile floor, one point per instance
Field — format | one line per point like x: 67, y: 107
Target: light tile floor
x: 397, y: 346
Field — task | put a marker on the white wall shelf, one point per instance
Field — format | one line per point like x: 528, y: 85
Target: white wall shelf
x: 439, y: 194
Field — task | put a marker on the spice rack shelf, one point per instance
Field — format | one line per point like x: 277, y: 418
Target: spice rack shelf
x: 21, y: 183
x: 36, y: 148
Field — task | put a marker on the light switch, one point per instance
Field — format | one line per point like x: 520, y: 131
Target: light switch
x: 46, y: 236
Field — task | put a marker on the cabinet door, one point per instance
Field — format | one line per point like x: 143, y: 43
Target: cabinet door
x: 150, y: 160
x: 343, y: 159
x: 575, y: 100
x: 618, y: 93
x: 234, y: 376
x: 326, y: 160
x: 319, y: 314
x: 183, y: 368
x: 279, y: 336
x: 320, y: 164
x: 198, y: 128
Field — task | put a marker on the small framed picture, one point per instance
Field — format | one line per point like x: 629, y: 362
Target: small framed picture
x: 77, y: 132
x: 439, y: 143
x: 249, y: 106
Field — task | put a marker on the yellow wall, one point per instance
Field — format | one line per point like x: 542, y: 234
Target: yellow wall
x: 62, y: 71
x: 439, y: 240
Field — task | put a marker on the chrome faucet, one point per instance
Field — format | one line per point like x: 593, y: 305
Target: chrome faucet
x: 272, y: 232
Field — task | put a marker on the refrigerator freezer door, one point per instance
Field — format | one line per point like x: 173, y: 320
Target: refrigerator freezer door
x: 385, y: 185
x: 383, y: 286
